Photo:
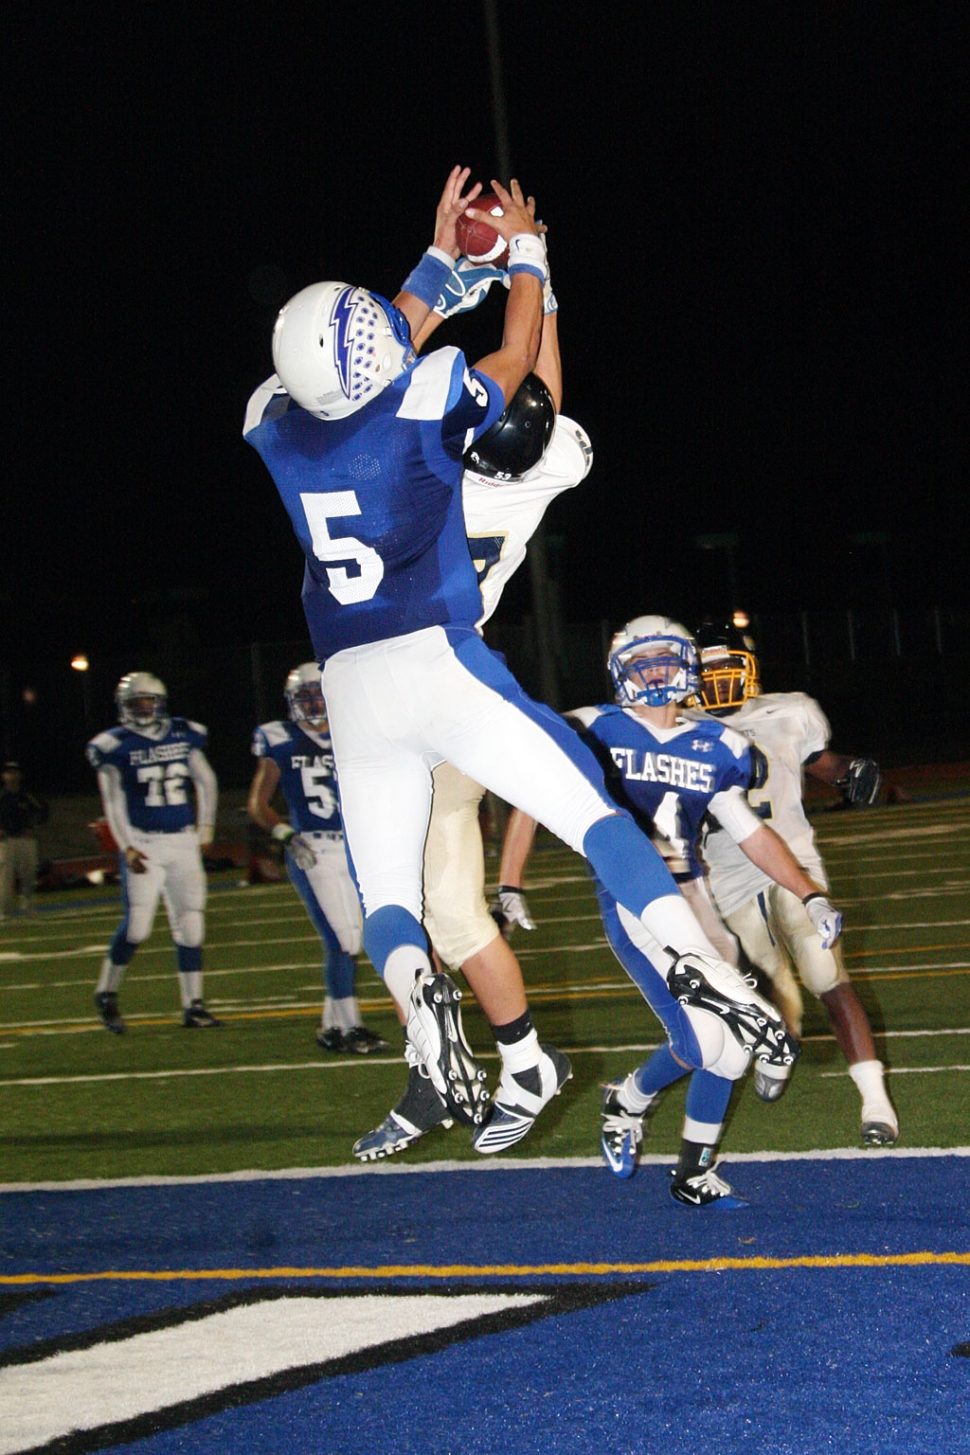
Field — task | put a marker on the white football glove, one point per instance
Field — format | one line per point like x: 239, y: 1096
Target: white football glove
x: 511, y: 909
x: 826, y: 919
x: 550, y: 303
x: 466, y: 288
x: 299, y: 848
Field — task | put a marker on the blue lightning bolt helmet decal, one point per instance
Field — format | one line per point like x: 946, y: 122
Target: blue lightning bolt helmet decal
x: 341, y: 317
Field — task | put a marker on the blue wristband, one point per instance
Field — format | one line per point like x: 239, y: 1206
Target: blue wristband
x: 427, y: 281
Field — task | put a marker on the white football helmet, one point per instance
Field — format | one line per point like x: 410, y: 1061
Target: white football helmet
x: 653, y: 660
x: 304, y: 696
x: 336, y: 347
x: 142, y: 700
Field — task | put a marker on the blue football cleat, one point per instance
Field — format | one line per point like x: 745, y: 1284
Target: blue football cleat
x: 622, y: 1133
x: 703, y: 1189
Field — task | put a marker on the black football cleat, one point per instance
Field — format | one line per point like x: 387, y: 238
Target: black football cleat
x: 106, y: 1004
x: 195, y: 1017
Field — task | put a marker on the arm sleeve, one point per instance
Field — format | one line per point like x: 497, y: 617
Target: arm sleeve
x: 206, y: 788
x: 115, y: 805
x: 734, y: 813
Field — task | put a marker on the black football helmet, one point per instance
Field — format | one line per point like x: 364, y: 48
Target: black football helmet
x: 519, y: 438
x: 729, y: 667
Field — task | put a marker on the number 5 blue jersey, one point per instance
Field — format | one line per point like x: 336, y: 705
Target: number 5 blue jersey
x: 375, y: 501
x: 155, y: 772
x: 306, y: 774
x: 667, y: 777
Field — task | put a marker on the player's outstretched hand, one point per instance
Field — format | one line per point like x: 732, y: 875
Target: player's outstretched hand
x: 518, y: 212
x: 510, y: 909
x: 135, y: 860
x: 826, y: 919
x: 206, y: 833
x: 450, y: 208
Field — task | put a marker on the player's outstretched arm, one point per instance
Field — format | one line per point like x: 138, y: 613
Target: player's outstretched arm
x: 424, y: 283
x: 527, y: 270
x: 773, y: 857
x: 859, y: 778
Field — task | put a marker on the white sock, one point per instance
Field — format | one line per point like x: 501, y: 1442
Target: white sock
x: 345, y: 1012
x: 111, y: 976
x: 399, y: 970
x: 190, y: 987
x: 520, y: 1055
x: 876, y: 1106
x: 671, y: 921
x: 707, y: 1133
x: 635, y: 1100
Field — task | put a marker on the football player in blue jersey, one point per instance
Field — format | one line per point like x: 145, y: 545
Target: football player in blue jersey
x: 147, y: 767
x: 365, y: 445
x: 533, y: 454
x: 671, y: 772
x: 297, y: 757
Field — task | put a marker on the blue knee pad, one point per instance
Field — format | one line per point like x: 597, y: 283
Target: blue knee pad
x: 626, y: 863
x: 386, y: 929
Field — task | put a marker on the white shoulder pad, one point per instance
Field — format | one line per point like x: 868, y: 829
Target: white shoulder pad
x: 259, y: 402
x: 105, y: 742
x: 575, y: 443
x: 276, y: 733
x: 737, y: 744
x: 585, y: 716
x: 426, y: 396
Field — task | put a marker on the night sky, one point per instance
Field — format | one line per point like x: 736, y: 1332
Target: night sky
x: 757, y: 232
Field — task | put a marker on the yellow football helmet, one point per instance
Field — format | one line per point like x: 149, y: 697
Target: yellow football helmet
x: 729, y: 667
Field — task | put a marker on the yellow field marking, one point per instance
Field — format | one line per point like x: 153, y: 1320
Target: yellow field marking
x: 502, y: 1270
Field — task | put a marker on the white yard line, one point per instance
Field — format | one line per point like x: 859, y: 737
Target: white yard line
x: 363, y: 1063
x: 491, y: 1164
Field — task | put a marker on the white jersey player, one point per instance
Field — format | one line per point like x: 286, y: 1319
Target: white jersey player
x: 365, y: 447
x: 775, y: 930
x: 149, y: 768
x: 296, y: 757
x: 518, y: 467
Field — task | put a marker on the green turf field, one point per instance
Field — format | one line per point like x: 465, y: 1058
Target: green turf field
x: 79, y: 1103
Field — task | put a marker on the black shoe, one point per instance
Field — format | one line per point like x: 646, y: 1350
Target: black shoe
x: 106, y: 1004
x: 197, y: 1018
x: 703, y: 1189
x: 520, y: 1099
x: 330, y: 1038
x: 420, y: 1110
x: 363, y: 1042
x: 714, y: 986
x: 434, y: 1031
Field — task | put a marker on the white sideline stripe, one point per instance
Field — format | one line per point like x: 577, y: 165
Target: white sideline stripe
x: 900, y: 1071
x: 362, y: 1063
x: 490, y: 1164
x: 82, y: 1389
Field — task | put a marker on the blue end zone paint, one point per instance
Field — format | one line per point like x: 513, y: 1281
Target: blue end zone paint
x: 849, y: 1359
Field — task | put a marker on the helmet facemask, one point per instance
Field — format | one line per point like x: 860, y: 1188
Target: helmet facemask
x: 653, y: 671
x: 729, y: 678
x: 142, y: 701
